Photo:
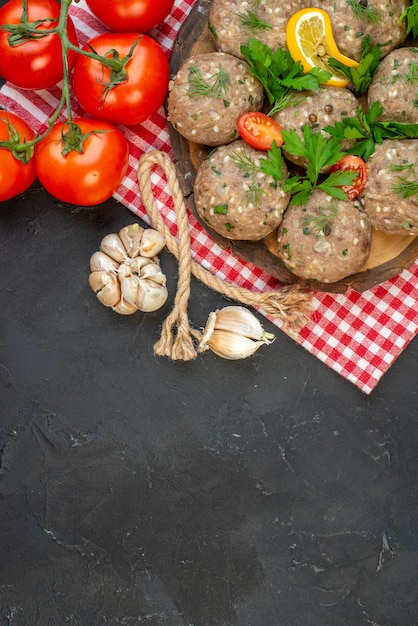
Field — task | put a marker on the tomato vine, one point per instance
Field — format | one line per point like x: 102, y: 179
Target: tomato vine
x: 122, y: 79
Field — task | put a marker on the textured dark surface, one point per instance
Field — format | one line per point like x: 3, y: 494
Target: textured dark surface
x: 135, y: 490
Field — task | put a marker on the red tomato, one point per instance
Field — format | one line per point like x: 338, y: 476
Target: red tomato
x: 35, y: 63
x: 259, y: 130
x: 85, y: 178
x: 15, y: 175
x: 355, y: 164
x: 139, y: 95
x: 127, y: 16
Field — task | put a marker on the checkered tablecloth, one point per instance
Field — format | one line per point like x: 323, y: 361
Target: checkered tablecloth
x: 357, y: 335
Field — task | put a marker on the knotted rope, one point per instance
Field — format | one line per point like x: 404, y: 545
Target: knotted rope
x: 290, y: 304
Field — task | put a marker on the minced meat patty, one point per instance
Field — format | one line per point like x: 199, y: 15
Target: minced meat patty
x: 318, y: 109
x: 393, y: 174
x: 395, y: 86
x: 325, y: 239
x: 234, y: 198
x: 352, y: 20
x: 228, y: 22
x: 208, y: 95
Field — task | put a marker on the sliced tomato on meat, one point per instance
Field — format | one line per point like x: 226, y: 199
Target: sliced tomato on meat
x: 355, y: 164
x: 259, y: 130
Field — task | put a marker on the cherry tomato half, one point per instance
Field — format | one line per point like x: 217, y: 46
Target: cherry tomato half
x: 127, y: 16
x: 88, y: 177
x: 259, y: 130
x: 15, y: 175
x: 36, y: 63
x: 139, y: 94
x: 355, y: 164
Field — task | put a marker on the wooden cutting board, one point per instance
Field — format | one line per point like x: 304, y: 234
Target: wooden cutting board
x: 389, y: 254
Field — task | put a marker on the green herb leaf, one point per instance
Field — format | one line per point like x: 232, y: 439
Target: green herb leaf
x: 333, y: 183
x: 321, y: 223
x: 316, y: 148
x: 368, y: 131
x: 360, y: 76
x: 366, y: 13
x: 279, y: 74
x: 410, y: 15
x: 252, y: 23
x: 405, y: 188
x: 320, y: 152
x: 216, y: 85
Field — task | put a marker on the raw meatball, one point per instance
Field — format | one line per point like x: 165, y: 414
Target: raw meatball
x: 208, y: 95
x: 318, y: 109
x: 352, y: 20
x: 227, y: 22
x: 233, y: 196
x: 395, y: 86
x: 326, y: 239
x: 392, y: 166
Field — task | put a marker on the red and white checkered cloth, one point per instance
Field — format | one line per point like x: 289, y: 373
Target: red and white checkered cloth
x: 357, y: 335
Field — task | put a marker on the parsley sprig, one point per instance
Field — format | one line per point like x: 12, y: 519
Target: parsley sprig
x: 360, y: 77
x: 281, y: 77
x: 410, y: 15
x: 368, y: 131
x: 320, y: 152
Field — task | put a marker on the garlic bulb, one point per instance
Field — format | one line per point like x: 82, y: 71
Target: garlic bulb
x: 125, y: 273
x: 234, y: 333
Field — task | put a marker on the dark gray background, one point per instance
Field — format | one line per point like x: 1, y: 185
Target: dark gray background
x: 136, y: 490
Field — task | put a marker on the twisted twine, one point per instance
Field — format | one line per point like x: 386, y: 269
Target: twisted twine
x: 290, y: 304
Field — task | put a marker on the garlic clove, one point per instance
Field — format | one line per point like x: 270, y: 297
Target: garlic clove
x: 230, y: 346
x: 152, y: 243
x: 233, y: 333
x: 106, y: 287
x: 146, y: 295
x: 135, y: 266
x: 131, y: 237
x: 100, y: 261
x: 152, y: 272
x: 113, y: 247
x: 240, y: 320
x: 151, y: 296
x: 129, y: 289
x: 124, y: 308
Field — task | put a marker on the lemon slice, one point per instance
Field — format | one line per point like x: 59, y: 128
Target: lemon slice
x: 310, y: 40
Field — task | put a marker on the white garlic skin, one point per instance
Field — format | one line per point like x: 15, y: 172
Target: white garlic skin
x: 113, y: 247
x: 100, y: 261
x: 124, y: 308
x: 143, y: 284
x: 131, y: 238
x: 141, y: 242
x: 125, y: 279
x: 234, y: 333
x: 152, y: 243
x: 106, y: 287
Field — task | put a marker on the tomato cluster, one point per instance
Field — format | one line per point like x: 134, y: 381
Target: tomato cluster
x: 119, y: 77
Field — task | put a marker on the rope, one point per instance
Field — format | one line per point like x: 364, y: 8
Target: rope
x: 290, y: 304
